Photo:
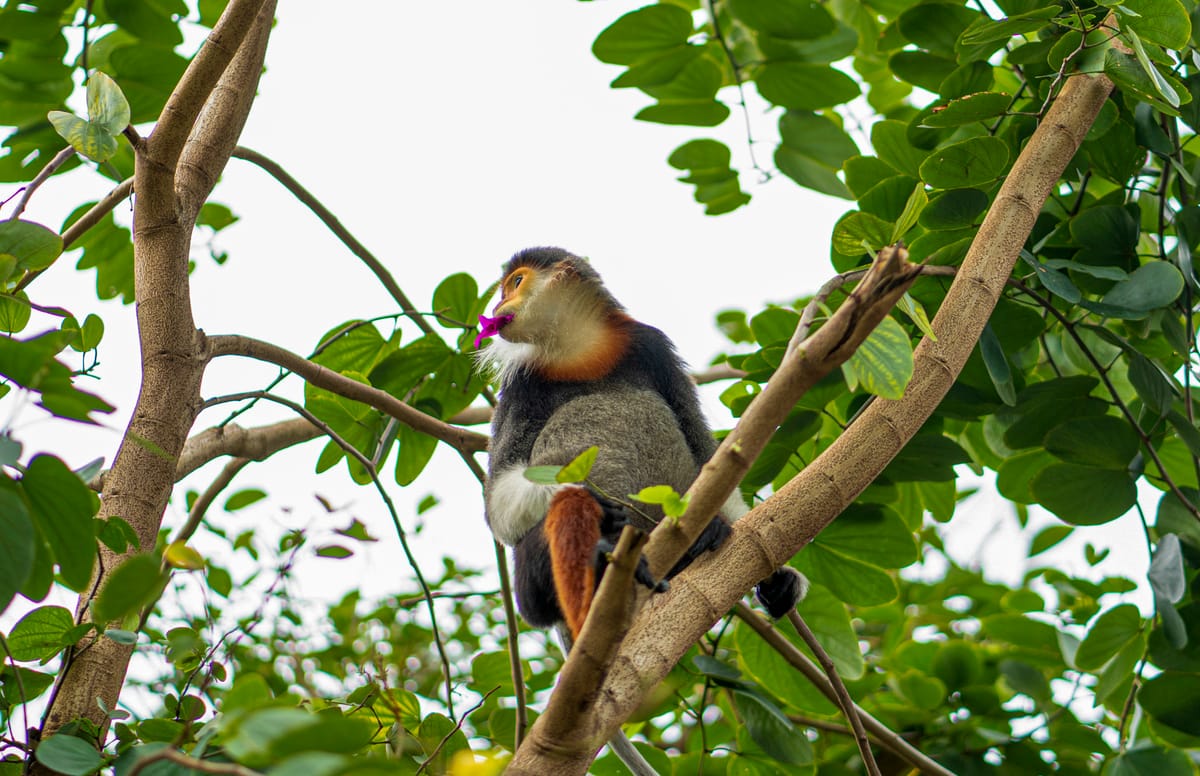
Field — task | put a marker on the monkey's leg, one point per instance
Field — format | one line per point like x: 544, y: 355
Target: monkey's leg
x: 572, y: 532
x: 711, y: 538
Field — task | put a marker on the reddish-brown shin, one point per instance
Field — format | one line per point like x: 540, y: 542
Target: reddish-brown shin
x: 572, y: 531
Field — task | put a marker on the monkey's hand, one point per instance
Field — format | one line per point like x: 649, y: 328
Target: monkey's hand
x: 711, y: 538
x: 605, y: 548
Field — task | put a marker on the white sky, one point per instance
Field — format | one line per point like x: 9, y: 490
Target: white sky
x: 446, y: 136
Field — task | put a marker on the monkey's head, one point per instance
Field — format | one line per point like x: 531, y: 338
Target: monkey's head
x: 555, y: 306
x: 549, y: 293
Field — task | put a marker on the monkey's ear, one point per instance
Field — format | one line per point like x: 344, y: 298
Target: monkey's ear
x: 781, y: 591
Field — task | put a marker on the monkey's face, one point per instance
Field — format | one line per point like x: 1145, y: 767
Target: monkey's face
x: 526, y: 295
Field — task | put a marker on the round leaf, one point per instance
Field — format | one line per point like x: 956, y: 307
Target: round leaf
x: 801, y: 86
x: 643, y: 33
x: 1150, y: 287
x: 971, y: 162
x: 1084, y: 495
x: 93, y: 141
x: 17, y: 546
x: 1105, y: 442
x: 969, y: 109
x: 69, y: 755
x: 39, y: 634
x: 883, y: 363
x: 1108, y: 635
x: 107, y: 107
x: 33, y: 245
x: 1173, y: 698
x: 135, y: 582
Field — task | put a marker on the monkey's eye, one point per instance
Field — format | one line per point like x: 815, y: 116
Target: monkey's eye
x: 517, y: 281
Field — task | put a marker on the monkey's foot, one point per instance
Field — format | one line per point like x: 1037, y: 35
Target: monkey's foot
x: 781, y: 591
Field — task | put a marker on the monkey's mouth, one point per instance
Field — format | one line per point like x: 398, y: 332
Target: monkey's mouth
x: 490, y: 327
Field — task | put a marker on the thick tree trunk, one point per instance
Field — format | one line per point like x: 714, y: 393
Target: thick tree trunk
x: 199, y: 125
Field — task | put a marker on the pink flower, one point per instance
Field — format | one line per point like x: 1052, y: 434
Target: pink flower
x: 490, y: 327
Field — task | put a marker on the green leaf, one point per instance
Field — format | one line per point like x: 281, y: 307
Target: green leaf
x: 93, y: 141
x: 774, y: 326
x: 136, y: 582
x: 1106, y: 442
x: 858, y: 233
x: 1146, y: 759
x: 145, y: 20
x: 967, y: 163
x: 16, y: 545
x: 1168, y: 576
x: 984, y: 30
x: 107, y: 107
x: 1164, y: 22
x: 883, y: 363
x: 1173, y: 698
x: 543, y: 475
x: 33, y: 245
x: 1107, y: 636
x: 1154, y: 388
x: 805, y: 87
x: 63, y: 508
x: 243, y: 499
x: 413, y: 453
x: 954, y: 209
x: 690, y: 112
x: 890, y: 140
x: 1141, y: 79
x: 916, y: 203
x: 68, y: 755
x: 643, y: 33
x: 772, y: 730
x: 454, y: 301
x: 579, y: 469
x: 1026, y: 679
x: 936, y: 26
x: 1153, y: 285
x: 997, y: 366
x: 179, y: 555
x: 967, y: 110
x: 15, y: 311
x: 215, y: 216
x: 1084, y: 495
x: 789, y: 19
x: 1049, y: 537
x: 335, y: 551
x: 761, y: 662
x: 39, y: 634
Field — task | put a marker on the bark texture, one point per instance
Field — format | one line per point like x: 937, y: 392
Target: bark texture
x: 202, y: 118
x: 782, y: 525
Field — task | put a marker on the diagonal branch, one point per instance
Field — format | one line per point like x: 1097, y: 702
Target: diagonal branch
x: 459, y: 438
x: 330, y: 220
x: 787, y: 521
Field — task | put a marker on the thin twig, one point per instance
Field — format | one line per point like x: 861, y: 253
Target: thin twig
x: 179, y: 758
x: 327, y: 217
x: 839, y: 689
x: 205, y: 499
x: 323, y: 377
x: 43, y: 175
x: 365, y: 462
x: 886, y: 737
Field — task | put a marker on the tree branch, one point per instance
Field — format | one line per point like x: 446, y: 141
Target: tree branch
x: 787, y: 521
x: 841, y: 694
x: 460, y: 439
x: 886, y: 737
x: 330, y: 220
x: 256, y: 444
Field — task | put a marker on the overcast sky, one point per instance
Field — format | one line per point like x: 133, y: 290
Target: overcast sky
x: 446, y: 136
